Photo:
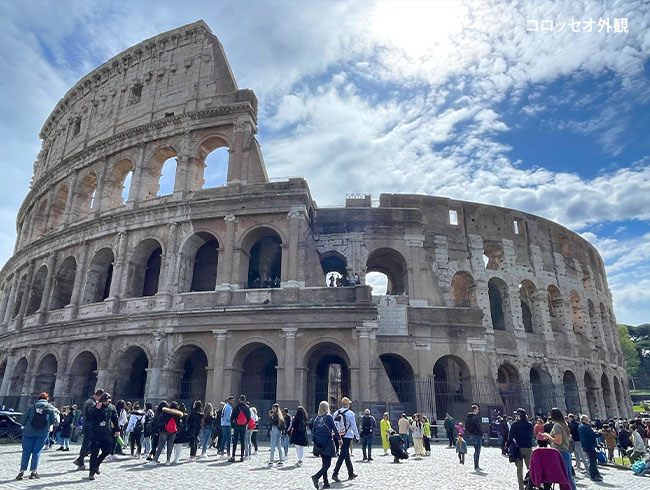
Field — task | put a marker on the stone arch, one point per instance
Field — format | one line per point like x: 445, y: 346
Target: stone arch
x: 453, y: 387
x: 190, y: 373
x: 198, y: 262
x: 592, y: 394
x: 261, y: 257
x: 20, y: 296
x: 493, y: 254
x: 607, y: 396
x: 86, y: 195
x: 328, y: 374
x: 463, y: 290
x: 213, y: 152
x: 529, y: 313
x: 543, y: 390
x: 555, y: 308
x: 500, y: 311
x: 334, y: 263
x: 17, y: 380
x: 620, y: 401
x: 40, y: 223
x: 151, y: 173
x: 402, y: 379
x: 57, y: 210
x: 144, y: 269
x: 38, y: 288
x: 577, y: 319
x: 63, y: 284
x: 83, y: 376
x: 131, y: 377
x: 115, y: 183
x: 99, y: 276
x: 509, y: 386
x: 255, y: 373
x: 46, y: 375
x: 571, y: 393
x: 390, y: 262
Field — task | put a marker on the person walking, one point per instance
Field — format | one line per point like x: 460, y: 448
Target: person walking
x: 135, y: 429
x: 449, y: 425
x: 285, y: 432
x: 559, y: 438
x: 168, y: 425
x: 147, y: 428
x: 250, y: 428
x: 610, y: 436
x: 427, y: 436
x: 589, y: 442
x: 461, y: 448
x: 417, y: 429
x: 224, y: 445
x: 256, y: 429
x: 368, y: 423
x: 298, y: 433
x: 384, y: 430
x: 194, y: 421
x: 276, y: 422
x: 577, y: 444
x: 347, y: 427
x: 104, y: 429
x: 324, y: 434
x: 521, y: 436
x: 85, y: 444
x: 155, y: 428
x: 65, y: 428
x: 36, y: 422
x: 206, y: 428
x: 473, y: 428
x: 239, y: 418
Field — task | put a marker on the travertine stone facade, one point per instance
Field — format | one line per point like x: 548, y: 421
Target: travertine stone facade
x: 211, y: 291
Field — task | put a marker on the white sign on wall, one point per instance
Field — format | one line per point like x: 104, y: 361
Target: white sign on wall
x: 392, y: 317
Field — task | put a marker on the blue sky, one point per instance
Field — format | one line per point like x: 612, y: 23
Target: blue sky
x: 439, y: 97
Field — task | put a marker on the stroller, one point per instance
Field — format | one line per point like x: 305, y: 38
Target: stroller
x: 546, y: 468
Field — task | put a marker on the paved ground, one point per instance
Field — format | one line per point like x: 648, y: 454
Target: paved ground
x: 441, y: 470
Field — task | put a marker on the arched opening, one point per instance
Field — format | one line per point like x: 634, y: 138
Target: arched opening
x: 620, y: 401
x: 555, y: 308
x: 198, y: 264
x: 543, y: 390
x: 38, y: 286
x: 334, y: 265
x: 58, y: 207
x: 571, y: 393
x: 328, y: 375
x: 20, y: 297
x: 192, y: 374
x: 152, y: 183
x: 499, y: 310
x: 118, y: 184
x: 576, y: 313
x: 492, y: 254
x: 64, y: 283
x: 256, y: 375
x: 463, y: 290
x: 261, y: 259
x: 391, y: 263
x: 509, y: 388
x: 607, y: 396
x: 40, y: 220
x: 592, y: 394
x: 46, y: 375
x: 378, y: 281
x: 402, y: 379
x: 83, y: 376
x: 132, y: 375
x: 526, y: 291
x: 453, y: 386
x: 17, y: 380
x: 86, y: 195
x: 215, y: 173
x: 144, y: 269
x: 99, y: 277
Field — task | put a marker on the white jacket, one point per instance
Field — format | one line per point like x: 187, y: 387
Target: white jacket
x: 348, y: 427
x: 638, y: 442
x: 418, y: 432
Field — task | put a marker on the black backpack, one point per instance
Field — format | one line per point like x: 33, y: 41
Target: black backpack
x: 148, y: 425
x: 138, y: 427
x: 39, y: 420
x: 321, y: 434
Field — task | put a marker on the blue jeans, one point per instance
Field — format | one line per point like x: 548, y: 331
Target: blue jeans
x: 366, y: 442
x: 566, y: 456
x: 206, y: 432
x: 405, y: 441
x: 285, y: 445
x: 32, y: 447
x: 450, y: 436
x: 276, y: 441
x: 65, y: 442
x: 477, y: 442
x: 225, y: 439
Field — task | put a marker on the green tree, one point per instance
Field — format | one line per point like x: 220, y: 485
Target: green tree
x: 640, y: 335
x: 630, y: 353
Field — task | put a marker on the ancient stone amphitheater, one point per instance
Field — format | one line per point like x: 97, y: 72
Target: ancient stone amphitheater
x: 205, y: 292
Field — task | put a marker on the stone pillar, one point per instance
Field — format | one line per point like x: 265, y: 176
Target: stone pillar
x: 9, y: 370
x: 225, y: 270
x: 355, y: 384
x: 289, y: 363
x: 541, y: 315
x: 79, y: 276
x: 170, y: 259
x: 62, y: 377
x: 375, y: 365
x: 7, y: 301
x: 30, y: 374
x: 294, y: 216
x: 27, y: 289
x: 47, y: 289
x: 242, y: 136
x: 218, y: 391
x: 136, y: 181
x: 417, y: 284
x: 364, y: 362
x: 154, y: 388
x: 72, y: 200
x: 118, y: 272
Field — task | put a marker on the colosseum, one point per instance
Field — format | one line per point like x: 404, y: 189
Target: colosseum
x: 204, y: 292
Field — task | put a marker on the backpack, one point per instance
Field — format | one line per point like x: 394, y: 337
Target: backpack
x: 251, y: 424
x: 39, y: 420
x: 241, y: 417
x: 148, y: 425
x: 171, y: 426
x: 638, y: 467
x: 321, y: 434
x: 341, y: 421
x: 138, y: 427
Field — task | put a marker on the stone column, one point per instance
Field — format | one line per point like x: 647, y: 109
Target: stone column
x: 6, y: 300
x: 294, y: 216
x: 99, y: 190
x: 27, y: 289
x: 374, y: 361
x: 541, y: 315
x: 62, y: 377
x: 417, y: 287
x: 153, y: 388
x: 170, y: 259
x: 218, y: 365
x: 30, y: 374
x: 364, y: 363
x: 136, y: 180
x: 72, y: 200
x: 47, y: 289
x: 225, y: 264
x: 79, y: 276
x: 9, y: 370
x: 289, y: 362
x: 118, y: 272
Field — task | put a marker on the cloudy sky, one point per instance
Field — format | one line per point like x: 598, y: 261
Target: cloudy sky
x: 471, y: 100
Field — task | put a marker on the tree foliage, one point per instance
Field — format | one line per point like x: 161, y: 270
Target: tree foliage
x: 640, y: 337
x: 630, y: 353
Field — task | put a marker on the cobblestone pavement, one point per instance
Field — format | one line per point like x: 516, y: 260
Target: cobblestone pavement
x: 441, y: 470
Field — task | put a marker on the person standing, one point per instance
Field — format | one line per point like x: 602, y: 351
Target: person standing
x: 403, y: 427
x: 85, y: 444
x: 135, y: 428
x: 449, y: 425
x: 539, y: 433
x: 256, y: 429
x: 559, y: 439
x: 239, y: 418
x: 298, y: 433
x: 285, y: 432
x: 577, y: 448
x: 347, y: 427
x: 521, y: 434
x: 384, y: 429
x: 104, y: 429
x: 473, y: 428
x: 194, y: 428
x: 168, y: 425
x: 206, y: 428
x: 276, y: 423
x: 147, y: 429
x: 589, y: 441
x: 182, y: 434
x: 36, y: 422
x: 66, y: 428
x: 155, y: 428
x: 224, y: 446
x: 427, y: 436
x: 324, y: 433
x: 610, y: 436
x: 417, y: 429
x: 368, y: 423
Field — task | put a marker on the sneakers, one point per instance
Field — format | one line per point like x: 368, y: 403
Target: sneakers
x: 231, y: 460
x: 60, y: 448
x: 280, y: 463
x: 352, y: 476
x: 20, y: 476
x: 78, y: 462
x: 270, y: 463
x: 168, y: 463
x: 336, y: 478
x: 91, y: 476
x: 370, y: 459
x: 314, y: 480
x: 299, y: 462
x: 34, y: 476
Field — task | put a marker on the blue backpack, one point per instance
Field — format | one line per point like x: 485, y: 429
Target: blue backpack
x: 321, y: 434
x: 638, y: 467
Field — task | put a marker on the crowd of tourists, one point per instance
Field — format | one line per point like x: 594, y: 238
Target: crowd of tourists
x: 159, y: 435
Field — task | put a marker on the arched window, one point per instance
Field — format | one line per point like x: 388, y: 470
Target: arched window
x: 144, y: 269
x: 526, y: 291
x: 167, y: 177
x: 499, y: 309
x: 576, y: 313
x: 152, y: 173
x: 86, y: 195
x: 492, y: 254
x: 64, y: 283
x: 261, y: 259
x: 463, y: 292
x: 36, y: 296
x: 58, y: 207
x: 210, y: 169
x: 198, y: 264
x: 99, y: 277
x: 40, y: 221
x: 391, y: 263
x: 118, y: 184
x: 334, y: 266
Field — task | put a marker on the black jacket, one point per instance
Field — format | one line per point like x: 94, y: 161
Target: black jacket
x: 299, y: 431
x: 473, y: 425
x: 183, y: 431
x: 573, y: 428
x: 194, y: 423
x: 522, y: 432
x: 366, y: 425
x: 241, y: 407
x: 102, y: 423
x: 66, y: 425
